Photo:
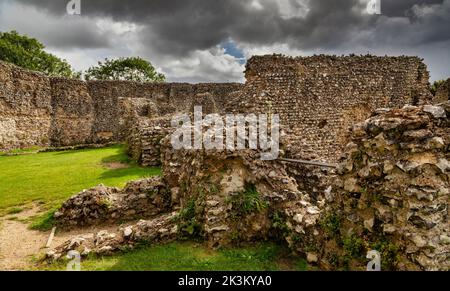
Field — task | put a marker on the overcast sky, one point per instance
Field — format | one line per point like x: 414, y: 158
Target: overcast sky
x: 209, y: 40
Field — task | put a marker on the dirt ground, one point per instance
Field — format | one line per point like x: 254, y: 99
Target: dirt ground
x: 19, y: 245
x: 116, y: 165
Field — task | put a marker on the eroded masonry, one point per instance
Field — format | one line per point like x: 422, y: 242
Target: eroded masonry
x: 317, y: 98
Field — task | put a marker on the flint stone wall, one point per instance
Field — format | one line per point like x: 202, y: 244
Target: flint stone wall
x: 318, y: 98
x: 37, y: 110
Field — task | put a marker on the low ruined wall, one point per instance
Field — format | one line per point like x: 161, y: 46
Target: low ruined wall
x: 319, y: 97
x: 443, y: 93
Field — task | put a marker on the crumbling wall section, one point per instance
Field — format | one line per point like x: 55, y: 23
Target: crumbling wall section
x: 73, y: 113
x: 319, y: 97
x: 25, y: 108
x: 392, y: 194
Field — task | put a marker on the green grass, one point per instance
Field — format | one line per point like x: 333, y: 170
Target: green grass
x: 189, y: 256
x: 14, y: 210
x: 52, y: 177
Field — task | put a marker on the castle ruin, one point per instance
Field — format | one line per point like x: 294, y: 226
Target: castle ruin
x: 370, y: 114
x: 317, y: 98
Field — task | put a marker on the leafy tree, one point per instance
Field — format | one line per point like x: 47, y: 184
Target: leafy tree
x: 436, y: 86
x: 130, y: 69
x: 29, y: 53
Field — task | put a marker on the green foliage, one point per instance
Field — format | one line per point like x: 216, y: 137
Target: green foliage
x: 435, y: 86
x: 129, y: 69
x: 29, y: 53
x: 236, y: 236
x: 14, y: 210
x: 331, y: 224
x: 389, y: 254
x: 353, y: 246
x: 279, y: 224
x: 43, y: 222
x: 188, y: 224
x: 247, y: 202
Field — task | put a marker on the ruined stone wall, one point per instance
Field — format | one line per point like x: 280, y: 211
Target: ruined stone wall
x: 36, y: 110
x: 443, y: 93
x: 25, y: 108
x: 393, y: 189
x: 319, y: 97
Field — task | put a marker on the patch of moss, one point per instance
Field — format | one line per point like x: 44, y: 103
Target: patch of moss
x: 331, y: 224
x: 353, y: 246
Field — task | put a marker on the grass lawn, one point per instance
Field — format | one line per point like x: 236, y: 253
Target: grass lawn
x: 52, y: 177
x: 189, y: 256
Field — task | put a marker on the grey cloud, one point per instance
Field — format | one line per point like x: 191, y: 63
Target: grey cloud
x: 176, y: 29
x: 58, y: 31
x: 178, y: 26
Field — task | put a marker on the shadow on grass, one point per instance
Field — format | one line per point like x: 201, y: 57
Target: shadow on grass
x: 131, y: 171
x: 189, y: 256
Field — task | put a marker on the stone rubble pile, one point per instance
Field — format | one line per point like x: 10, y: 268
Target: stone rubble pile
x: 101, y: 205
x: 159, y: 229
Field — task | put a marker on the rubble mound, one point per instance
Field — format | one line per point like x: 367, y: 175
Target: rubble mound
x: 222, y: 197
x: 159, y: 229
x: 100, y: 205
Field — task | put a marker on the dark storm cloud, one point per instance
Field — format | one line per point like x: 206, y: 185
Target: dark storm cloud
x: 179, y: 26
x: 179, y: 31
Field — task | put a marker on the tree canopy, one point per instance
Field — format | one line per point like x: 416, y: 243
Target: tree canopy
x: 29, y: 53
x: 130, y: 69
